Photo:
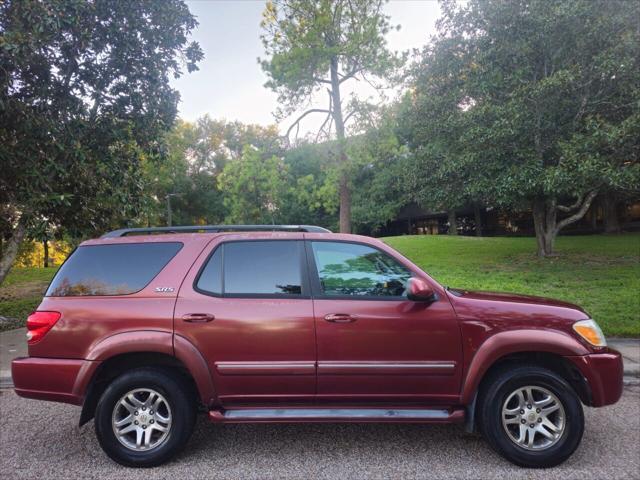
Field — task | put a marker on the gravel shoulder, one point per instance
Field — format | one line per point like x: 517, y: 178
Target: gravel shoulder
x: 42, y: 440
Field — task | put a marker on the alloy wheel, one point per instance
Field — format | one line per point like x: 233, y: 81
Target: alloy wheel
x: 533, y: 417
x: 141, y: 419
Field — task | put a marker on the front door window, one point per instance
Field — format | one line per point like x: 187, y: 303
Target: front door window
x: 350, y: 269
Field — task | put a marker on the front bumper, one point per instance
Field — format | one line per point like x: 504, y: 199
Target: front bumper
x: 603, y: 372
x: 57, y: 380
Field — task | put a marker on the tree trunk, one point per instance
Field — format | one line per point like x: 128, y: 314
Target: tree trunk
x: 453, y: 224
x: 477, y: 214
x: 594, y: 219
x: 546, y: 224
x: 10, y: 250
x: 611, y: 214
x: 345, y: 205
x: 45, y: 244
x: 344, y: 190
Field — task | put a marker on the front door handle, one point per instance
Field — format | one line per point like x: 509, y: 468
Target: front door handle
x: 340, y: 318
x: 198, y: 317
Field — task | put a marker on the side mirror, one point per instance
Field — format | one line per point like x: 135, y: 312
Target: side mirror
x: 420, y: 291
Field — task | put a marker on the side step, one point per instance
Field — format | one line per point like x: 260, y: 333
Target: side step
x: 336, y: 415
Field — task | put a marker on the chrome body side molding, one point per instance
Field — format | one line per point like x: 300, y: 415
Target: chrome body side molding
x: 386, y: 368
x: 335, y: 368
x: 266, y: 368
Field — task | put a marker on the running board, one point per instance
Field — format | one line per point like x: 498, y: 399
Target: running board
x: 337, y: 415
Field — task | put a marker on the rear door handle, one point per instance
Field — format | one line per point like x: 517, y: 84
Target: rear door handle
x: 340, y: 318
x: 198, y: 317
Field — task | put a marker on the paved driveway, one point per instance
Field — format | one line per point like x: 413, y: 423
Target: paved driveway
x: 40, y: 440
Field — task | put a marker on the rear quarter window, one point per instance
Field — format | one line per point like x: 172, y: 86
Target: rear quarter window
x: 119, y: 269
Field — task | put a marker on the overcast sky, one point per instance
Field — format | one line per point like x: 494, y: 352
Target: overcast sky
x: 230, y: 82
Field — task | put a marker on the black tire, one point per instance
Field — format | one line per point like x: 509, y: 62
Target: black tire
x: 177, y: 393
x: 496, y: 391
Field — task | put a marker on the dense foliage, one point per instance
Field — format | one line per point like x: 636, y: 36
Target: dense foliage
x: 528, y: 104
x: 84, y: 96
x: 317, y: 45
x: 186, y: 180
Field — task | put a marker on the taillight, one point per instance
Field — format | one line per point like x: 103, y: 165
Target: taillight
x: 39, y: 323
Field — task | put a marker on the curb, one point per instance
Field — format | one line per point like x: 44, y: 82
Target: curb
x: 5, y: 378
x: 632, y: 372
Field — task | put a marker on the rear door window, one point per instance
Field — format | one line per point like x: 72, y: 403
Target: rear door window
x: 254, y: 268
x: 118, y: 269
x: 210, y: 279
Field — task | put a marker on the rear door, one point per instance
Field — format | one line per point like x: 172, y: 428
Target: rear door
x: 373, y: 343
x: 246, y: 306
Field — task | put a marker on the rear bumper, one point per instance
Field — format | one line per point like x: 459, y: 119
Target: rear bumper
x: 603, y: 372
x: 57, y: 380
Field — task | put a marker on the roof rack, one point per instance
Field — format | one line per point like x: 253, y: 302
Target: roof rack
x: 215, y: 228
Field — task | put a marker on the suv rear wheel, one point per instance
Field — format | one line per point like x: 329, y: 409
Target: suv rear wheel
x: 144, y: 417
x: 531, y: 416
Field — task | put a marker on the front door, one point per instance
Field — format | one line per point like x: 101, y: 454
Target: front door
x: 373, y: 343
x: 247, y: 308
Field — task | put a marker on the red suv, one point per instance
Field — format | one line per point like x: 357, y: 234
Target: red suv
x: 144, y: 328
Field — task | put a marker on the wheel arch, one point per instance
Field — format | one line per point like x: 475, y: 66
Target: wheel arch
x: 542, y: 347
x: 114, y: 366
x: 549, y: 355
x: 154, y: 349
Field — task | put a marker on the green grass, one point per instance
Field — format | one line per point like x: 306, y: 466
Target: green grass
x: 600, y: 272
x: 22, y: 276
x: 17, y: 311
x: 21, y: 293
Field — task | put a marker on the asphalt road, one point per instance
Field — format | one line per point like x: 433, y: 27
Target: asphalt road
x: 41, y: 440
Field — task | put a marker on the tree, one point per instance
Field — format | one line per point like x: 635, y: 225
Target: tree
x: 313, y: 45
x: 432, y: 121
x: 218, y: 141
x: 550, y: 103
x: 312, y: 196
x: 253, y: 187
x: 195, y: 155
x: 180, y: 177
x: 85, y: 94
x: 379, y: 166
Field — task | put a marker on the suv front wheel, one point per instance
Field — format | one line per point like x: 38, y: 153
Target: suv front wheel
x: 531, y: 416
x: 144, y: 417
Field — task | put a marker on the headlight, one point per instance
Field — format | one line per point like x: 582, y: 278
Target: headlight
x: 590, y: 331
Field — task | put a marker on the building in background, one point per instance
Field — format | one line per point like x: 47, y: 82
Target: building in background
x: 602, y: 217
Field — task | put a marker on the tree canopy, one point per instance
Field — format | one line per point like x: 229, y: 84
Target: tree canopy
x: 526, y: 105
x: 529, y: 104
x: 85, y: 94
x: 316, y: 45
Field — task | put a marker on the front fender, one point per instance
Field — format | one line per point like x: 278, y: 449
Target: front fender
x: 515, y: 341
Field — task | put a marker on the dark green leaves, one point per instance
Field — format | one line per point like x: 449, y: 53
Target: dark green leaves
x: 85, y: 95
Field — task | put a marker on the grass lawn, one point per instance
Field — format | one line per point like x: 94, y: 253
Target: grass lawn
x: 25, y: 276
x: 21, y: 293
x: 601, y: 273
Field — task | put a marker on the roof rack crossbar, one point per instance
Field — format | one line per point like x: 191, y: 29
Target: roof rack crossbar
x: 216, y: 228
